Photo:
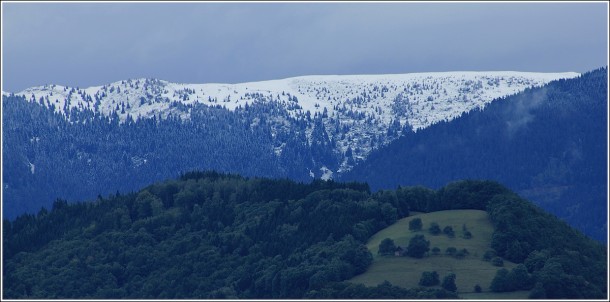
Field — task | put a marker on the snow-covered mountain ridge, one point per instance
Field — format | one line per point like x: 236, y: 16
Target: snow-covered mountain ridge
x: 422, y: 91
x: 358, y: 112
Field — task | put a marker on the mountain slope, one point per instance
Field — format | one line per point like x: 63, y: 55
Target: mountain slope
x: 549, y: 144
x: 71, y: 143
x: 367, y: 107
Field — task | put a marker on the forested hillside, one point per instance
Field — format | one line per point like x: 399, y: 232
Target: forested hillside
x: 549, y: 144
x: 210, y: 235
x: 48, y: 157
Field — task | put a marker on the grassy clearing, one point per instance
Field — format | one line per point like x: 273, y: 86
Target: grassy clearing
x: 406, y: 271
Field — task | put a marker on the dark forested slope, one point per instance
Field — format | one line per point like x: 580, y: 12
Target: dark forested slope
x: 548, y: 143
x: 48, y: 156
x: 210, y: 235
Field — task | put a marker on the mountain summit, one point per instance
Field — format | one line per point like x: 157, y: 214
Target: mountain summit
x: 77, y: 143
x: 359, y: 112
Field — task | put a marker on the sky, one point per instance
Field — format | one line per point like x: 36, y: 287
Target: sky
x: 91, y: 44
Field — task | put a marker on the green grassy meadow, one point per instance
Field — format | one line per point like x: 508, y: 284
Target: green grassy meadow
x: 470, y: 270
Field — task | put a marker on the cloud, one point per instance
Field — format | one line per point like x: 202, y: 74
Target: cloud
x: 520, y: 112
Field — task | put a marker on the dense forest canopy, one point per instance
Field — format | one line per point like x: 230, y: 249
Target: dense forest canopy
x: 213, y: 235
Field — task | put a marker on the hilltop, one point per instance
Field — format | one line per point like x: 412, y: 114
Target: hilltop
x: 211, y: 235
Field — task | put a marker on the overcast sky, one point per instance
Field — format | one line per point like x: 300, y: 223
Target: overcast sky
x: 88, y: 44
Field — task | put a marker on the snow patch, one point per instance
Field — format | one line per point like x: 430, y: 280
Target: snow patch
x: 327, y: 174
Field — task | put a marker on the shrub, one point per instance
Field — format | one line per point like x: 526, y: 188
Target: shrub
x: 477, y: 288
x: 448, y: 230
x: 436, y: 250
x: 434, y: 229
x: 497, y: 261
x: 386, y: 247
x: 450, y: 251
x: 461, y: 253
x: 490, y: 254
x: 429, y: 279
x: 467, y: 235
x: 415, y: 224
x: 418, y: 246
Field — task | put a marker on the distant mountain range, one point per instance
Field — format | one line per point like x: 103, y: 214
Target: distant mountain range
x: 359, y: 112
x: 78, y: 143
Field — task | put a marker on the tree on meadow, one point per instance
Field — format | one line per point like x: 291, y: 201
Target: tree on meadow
x: 418, y: 246
x: 387, y: 247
